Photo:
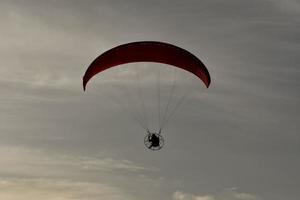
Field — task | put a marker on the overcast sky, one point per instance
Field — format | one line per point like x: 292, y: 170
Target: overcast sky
x: 239, y: 141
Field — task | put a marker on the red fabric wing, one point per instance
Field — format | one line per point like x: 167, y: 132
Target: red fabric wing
x: 148, y: 51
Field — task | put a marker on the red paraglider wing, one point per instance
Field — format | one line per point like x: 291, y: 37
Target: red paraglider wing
x: 148, y: 51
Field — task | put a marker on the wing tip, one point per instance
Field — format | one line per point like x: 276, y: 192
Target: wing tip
x: 84, y: 82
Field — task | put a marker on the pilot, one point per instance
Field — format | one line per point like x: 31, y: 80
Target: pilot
x: 154, y: 141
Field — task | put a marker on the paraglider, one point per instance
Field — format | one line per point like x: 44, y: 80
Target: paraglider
x: 148, y: 51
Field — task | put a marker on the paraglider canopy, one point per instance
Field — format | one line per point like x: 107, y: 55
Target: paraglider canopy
x: 148, y: 51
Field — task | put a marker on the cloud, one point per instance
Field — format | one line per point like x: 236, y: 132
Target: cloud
x: 17, y: 160
x: 49, y: 189
x: 292, y: 6
x: 185, y: 196
x: 227, y: 195
x: 27, y: 173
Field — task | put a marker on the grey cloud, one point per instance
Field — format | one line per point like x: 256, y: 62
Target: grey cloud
x: 225, y: 195
x: 49, y: 189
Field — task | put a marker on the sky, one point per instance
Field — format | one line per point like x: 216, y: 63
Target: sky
x: 238, y: 141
